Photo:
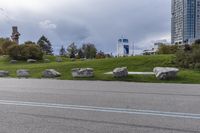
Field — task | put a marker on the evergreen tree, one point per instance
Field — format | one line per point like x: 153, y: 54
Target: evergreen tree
x: 80, y: 53
x: 45, y: 45
x: 72, y: 50
x: 62, y: 51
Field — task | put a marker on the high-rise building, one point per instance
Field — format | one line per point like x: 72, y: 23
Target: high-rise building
x: 185, y: 26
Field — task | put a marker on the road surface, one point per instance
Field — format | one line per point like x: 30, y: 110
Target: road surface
x: 53, y: 106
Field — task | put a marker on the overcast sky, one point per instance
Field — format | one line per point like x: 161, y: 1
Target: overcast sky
x: 100, y: 22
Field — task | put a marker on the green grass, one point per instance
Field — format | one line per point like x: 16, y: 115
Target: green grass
x: 137, y: 63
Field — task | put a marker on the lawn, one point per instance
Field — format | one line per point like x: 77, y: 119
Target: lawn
x: 135, y: 64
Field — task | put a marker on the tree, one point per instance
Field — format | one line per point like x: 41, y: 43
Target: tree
x: 62, y: 51
x: 80, y: 54
x: 100, y: 55
x: 45, y: 45
x: 89, y: 50
x: 72, y: 50
x: 29, y: 42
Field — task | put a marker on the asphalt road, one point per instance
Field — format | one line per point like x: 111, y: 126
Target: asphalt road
x: 51, y: 106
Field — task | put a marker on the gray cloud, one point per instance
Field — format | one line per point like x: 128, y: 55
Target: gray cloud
x: 101, y: 22
x: 67, y: 30
x: 47, y: 24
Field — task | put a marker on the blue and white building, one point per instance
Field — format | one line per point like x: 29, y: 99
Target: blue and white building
x: 124, y: 47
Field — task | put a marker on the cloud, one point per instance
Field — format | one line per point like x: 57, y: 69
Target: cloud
x: 72, y: 31
x: 97, y: 21
x: 47, y: 24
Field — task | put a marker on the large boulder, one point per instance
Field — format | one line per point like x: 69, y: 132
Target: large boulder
x: 22, y: 73
x: 4, y: 73
x: 50, y: 73
x: 82, y: 72
x: 120, y: 72
x: 31, y: 61
x: 13, y: 61
x: 165, y: 73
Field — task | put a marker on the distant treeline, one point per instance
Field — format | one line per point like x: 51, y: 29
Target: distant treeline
x: 32, y: 50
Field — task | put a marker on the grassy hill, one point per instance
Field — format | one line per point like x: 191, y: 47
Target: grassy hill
x: 137, y: 63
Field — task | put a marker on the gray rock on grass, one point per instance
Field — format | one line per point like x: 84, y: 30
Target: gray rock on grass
x: 23, y: 73
x: 51, y: 73
x: 13, y: 61
x: 31, y: 61
x: 165, y: 73
x: 82, y: 72
x: 120, y: 72
x: 4, y: 73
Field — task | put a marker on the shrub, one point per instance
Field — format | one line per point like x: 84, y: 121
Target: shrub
x: 183, y: 59
x: 197, y: 66
x: 25, y: 51
x: 100, y: 55
x: 14, y: 52
x: 188, y: 56
x: 1, y: 51
x: 5, y: 45
x: 191, y: 66
x: 31, y: 51
x: 195, y: 55
x: 197, y: 41
x: 167, y: 49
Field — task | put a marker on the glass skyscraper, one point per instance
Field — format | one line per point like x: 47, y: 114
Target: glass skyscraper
x: 185, y: 21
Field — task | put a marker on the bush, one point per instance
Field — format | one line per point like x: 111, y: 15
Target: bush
x: 14, y: 52
x: 167, y: 49
x: 191, y: 66
x: 183, y: 59
x: 195, y: 55
x: 188, y: 56
x: 31, y: 51
x: 100, y: 55
x: 197, y: 66
x: 25, y: 51
x: 5, y: 45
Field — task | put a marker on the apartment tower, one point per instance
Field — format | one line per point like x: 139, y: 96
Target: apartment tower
x: 185, y: 22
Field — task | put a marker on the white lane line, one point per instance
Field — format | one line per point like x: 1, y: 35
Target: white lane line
x: 103, y: 109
